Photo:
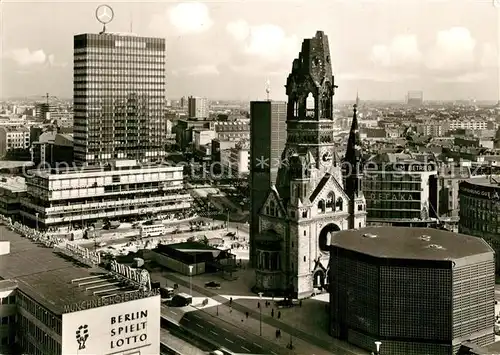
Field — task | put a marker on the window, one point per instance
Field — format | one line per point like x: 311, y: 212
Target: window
x: 116, y: 178
x: 305, y: 233
x: 360, y: 207
x: 321, y: 206
x: 330, y: 199
x: 304, y: 258
x: 340, y: 204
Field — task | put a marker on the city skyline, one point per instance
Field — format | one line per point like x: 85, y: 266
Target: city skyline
x: 380, y: 49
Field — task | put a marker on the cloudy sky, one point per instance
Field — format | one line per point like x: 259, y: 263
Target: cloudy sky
x: 227, y: 49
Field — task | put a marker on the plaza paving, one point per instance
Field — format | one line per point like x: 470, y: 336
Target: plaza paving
x: 305, y: 325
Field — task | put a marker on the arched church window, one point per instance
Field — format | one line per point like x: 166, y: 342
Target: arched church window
x: 340, y: 204
x: 272, y: 207
x: 321, y: 206
x: 310, y: 105
x: 325, y: 107
x: 295, y: 108
x: 330, y: 201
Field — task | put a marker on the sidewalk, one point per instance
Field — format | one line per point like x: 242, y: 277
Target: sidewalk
x: 253, y: 325
x: 303, y: 334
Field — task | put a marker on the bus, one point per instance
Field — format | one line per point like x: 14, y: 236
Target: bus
x: 152, y: 230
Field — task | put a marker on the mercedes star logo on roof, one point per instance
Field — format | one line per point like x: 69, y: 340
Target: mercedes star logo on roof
x: 104, y: 14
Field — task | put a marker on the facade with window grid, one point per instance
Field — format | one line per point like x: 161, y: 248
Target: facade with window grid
x: 121, y: 191
x: 413, y: 307
x: 119, y: 94
x: 400, y: 192
x: 480, y: 211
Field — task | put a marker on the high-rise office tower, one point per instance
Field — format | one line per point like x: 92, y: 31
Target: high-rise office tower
x: 197, y: 107
x: 267, y: 141
x: 119, y: 94
x: 415, y: 98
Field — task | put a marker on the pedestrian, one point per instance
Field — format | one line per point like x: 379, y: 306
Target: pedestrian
x: 272, y: 312
x: 300, y: 303
x: 267, y: 304
x: 246, y: 314
x: 277, y: 334
x: 230, y: 301
x: 279, y: 314
x: 258, y: 304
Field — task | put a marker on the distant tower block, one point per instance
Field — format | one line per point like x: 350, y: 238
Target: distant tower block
x: 415, y: 98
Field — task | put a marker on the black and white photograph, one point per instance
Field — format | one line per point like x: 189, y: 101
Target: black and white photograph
x: 250, y: 177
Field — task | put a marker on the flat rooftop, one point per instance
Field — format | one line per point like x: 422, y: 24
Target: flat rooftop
x: 410, y: 243
x: 47, y: 276
x: 14, y: 184
x: 485, y: 181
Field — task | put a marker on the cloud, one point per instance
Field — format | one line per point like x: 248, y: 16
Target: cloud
x: 51, y: 59
x: 403, y: 50
x: 489, y: 56
x: 240, y: 30
x: 472, y: 77
x: 25, y: 57
x: 378, y: 76
x: 201, y: 70
x: 190, y: 17
x: 266, y: 41
x: 454, y: 50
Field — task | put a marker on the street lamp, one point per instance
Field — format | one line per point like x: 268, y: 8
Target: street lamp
x: 260, y: 309
x: 377, y: 345
x: 190, y: 280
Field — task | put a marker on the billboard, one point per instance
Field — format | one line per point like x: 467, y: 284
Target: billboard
x: 131, y: 328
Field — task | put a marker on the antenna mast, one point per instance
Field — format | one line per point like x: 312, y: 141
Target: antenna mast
x: 268, y: 88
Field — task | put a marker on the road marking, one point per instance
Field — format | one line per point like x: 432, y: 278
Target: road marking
x: 272, y: 352
x: 257, y: 345
x: 245, y: 348
x: 173, y: 312
x: 213, y: 332
x: 239, y: 336
x: 224, y: 329
x: 196, y: 316
x: 211, y: 322
x: 199, y: 325
x: 232, y: 342
x: 186, y: 319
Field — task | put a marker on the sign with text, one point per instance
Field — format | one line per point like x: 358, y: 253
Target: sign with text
x: 82, y: 254
x: 480, y: 191
x: 137, y: 276
x: 115, y: 329
x: 392, y: 196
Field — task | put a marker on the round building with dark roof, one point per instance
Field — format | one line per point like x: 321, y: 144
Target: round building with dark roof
x: 416, y: 290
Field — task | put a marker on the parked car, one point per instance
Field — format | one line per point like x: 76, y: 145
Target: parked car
x: 212, y: 285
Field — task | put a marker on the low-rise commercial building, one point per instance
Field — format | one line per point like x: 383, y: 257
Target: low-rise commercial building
x: 416, y: 290
x: 120, y: 190
x: 400, y: 191
x: 12, y: 189
x: 12, y: 138
x: 480, y: 210
x: 55, y: 305
x: 192, y: 258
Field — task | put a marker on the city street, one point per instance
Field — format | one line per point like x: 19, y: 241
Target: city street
x: 227, y: 335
